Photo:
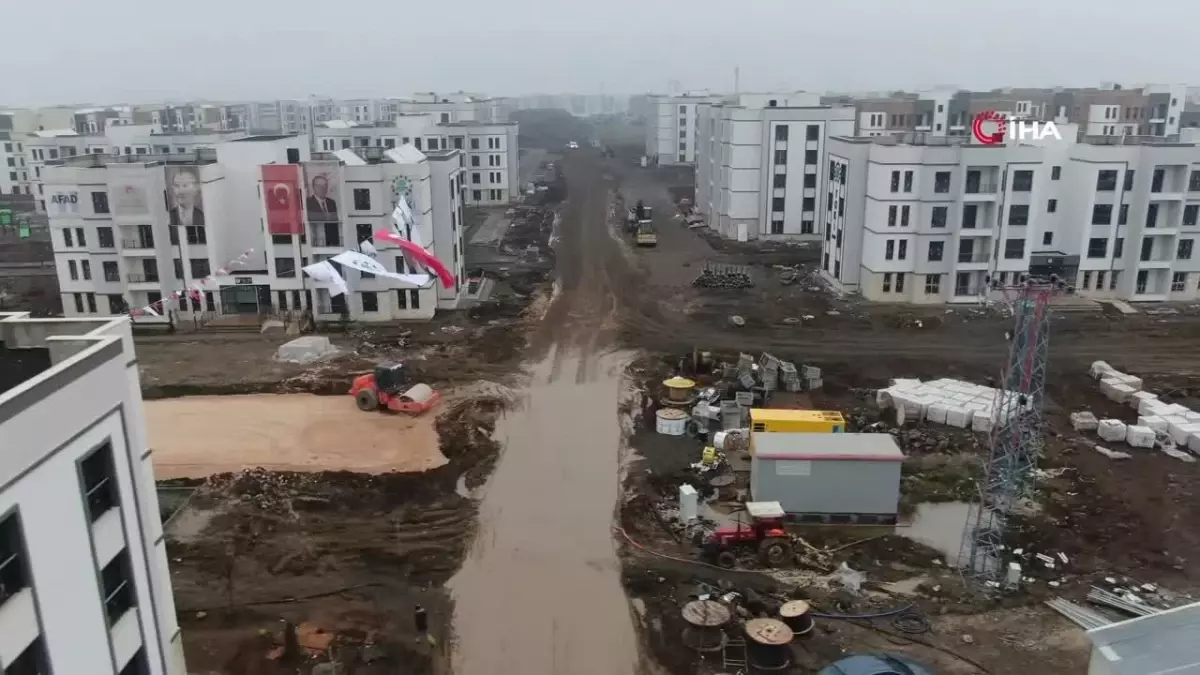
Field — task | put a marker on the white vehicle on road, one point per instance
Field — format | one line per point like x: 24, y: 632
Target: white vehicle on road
x: 573, y: 145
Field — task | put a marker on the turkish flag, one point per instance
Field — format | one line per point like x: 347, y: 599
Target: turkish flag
x: 281, y: 191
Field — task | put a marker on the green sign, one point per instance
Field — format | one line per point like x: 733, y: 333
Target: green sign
x: 6, y: 217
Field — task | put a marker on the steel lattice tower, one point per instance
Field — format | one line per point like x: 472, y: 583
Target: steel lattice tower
x: 1016, y: 435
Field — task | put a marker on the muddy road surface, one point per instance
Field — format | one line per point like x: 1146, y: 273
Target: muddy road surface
x: 540, y: 591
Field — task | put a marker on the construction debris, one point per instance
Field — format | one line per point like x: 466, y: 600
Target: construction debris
x: 723, y: 275
x: 1085, y: 618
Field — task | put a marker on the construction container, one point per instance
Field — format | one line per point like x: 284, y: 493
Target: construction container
x: 834, y: 478
x: 774, y: 420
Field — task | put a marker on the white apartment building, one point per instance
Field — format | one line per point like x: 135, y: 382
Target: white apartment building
x: 934, y: 220
x: 84, y: 582
x: 671, y: 127
x: 491, y: 156
x: 119, y: 246
x: 14, y: 173
x: 118, y: 140
x: 760, y: 162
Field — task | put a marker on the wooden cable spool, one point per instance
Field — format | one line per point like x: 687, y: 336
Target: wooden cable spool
x: 768, y: 644
x: 705, y: 619
x: 798, y: 616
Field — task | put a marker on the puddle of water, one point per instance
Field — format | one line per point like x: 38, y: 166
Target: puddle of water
x: 540, y: 591
x: 940, y: 527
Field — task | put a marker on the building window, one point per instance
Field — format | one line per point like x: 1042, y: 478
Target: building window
x: 477, y: 195
x: 14, y: 570
x: 195, y: 234
x: 889, y: 250
x: 1119, y: 247
x: 1106, y: 180
x: 813, y: 133
x: 781, y: 132
x: 776, y: 227
x: 777, y: 203
x: 111, y: 271
x: 68, y: 239
x: 887, y: 281
x: 780, y: 180
x: 1194, y: 181
x: 1152, y: 216
x: 908, y: 181
x: 892, y: 210
x: 1022, y: 181
x: 1100, y: 280
x: 1102, y: 214
x: 199, y: 267
x: 902, y: 253
x: 32, y: 661
x: 119, y: 596
x: 1047, y: 238
x: 1055, y: 172
x: 86, y: 268
x: 105, y: 236
x: 938, y: 216
x: 1191, y: 214
x: 900, y: 281
x: 1085, y: 281
x: 904, y: 211
x: 1129, y: 174
x: 99, y: 482
x: 781, y: 157
x: 1123, y: 214
x: 895, y: 186
x: 1184, y: 250
x: 100, y: 202
x: 810, y: 157
x: 1178, y: 282
x: 78, y: 302
x: 810, y: 180
x: 1097, y: 247
x: 414, y: 299
x: 474, y: 143
x: 941, y: 182
x: 933, y: 284
x: 1018, y: 214
x: 1014, y: 249
x: 936, y: 249
x: 370, y: 301
x: 810, y: 204
x: 362, y: 199
x: 72, y: 270
x: 138, y: 665
x: 1052, y: 206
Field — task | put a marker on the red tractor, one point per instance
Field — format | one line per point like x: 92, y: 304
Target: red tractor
x: 387, y: 388
x: 764, y: 532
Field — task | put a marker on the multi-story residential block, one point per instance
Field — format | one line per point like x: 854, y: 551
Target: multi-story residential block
x: 84, y: 583
x: 671, y: 127
x: 760, y: 163
x: 117, y: 139
x: 490, y: 149
x: 14, y: 173
x: 131, y: 229
x: 935, y: 220
x: 1152, y: 110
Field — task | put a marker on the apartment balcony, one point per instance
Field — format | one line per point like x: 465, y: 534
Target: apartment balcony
x: 973, y: 260
x: 980, y: 192
x: 142, y: 281
x: 970, y: 290
x: 137, y: 247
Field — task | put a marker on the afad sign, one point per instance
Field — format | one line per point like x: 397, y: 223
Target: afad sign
x: 990, y: 128
x: 65, y: 199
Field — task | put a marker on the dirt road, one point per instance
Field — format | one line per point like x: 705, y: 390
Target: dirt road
x: 540, y: 591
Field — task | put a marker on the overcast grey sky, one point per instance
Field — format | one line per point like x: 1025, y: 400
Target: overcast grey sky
x: 107, y: 51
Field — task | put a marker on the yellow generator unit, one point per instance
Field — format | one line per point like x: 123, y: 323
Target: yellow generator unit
x: 771, y: 420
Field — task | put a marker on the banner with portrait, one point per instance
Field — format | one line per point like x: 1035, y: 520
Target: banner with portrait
x: 281, y: 192
x: 322, y: 192
x: 185, y: 201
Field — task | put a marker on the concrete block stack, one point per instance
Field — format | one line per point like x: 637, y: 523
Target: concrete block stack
x: 1156, y: 419
x: 947, y: 401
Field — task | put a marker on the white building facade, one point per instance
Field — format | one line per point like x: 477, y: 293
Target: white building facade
x: 936, y: 220
x: 84, y: 582
x: 120, y: 245
x: 760, y: 164
x: 671, y: 127
x: 490, y: 150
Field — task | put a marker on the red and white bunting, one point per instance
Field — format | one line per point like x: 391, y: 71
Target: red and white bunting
x: 194, y: 290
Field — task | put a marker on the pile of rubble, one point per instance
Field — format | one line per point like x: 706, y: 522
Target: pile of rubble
x: 258, y: 488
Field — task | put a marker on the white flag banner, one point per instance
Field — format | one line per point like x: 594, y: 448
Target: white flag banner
x: 368, y: 248
x: 364, y: 263
x: 406, y: 223
x: 323, y: 271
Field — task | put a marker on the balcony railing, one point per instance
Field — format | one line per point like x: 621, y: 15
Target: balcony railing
x: 137, y: 243
x: 142, y: 278
x: 968, y: 290
x: 981, y: 188
x: 319, y: 239
x: 974, y: 257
